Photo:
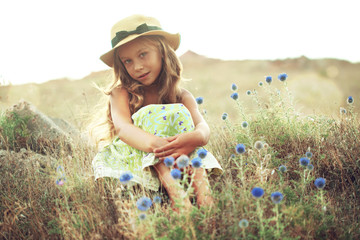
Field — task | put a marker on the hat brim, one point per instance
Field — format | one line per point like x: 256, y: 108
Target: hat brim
x: 172, y: 39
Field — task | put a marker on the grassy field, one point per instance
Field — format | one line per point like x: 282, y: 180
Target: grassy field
x: 57, y: 198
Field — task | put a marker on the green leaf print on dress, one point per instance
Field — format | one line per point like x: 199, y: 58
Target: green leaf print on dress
x: 163, y: 120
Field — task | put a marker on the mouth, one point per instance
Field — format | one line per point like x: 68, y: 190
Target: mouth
x: 144, y: 75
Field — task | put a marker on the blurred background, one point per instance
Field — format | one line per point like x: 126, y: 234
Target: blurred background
x: 49, y: 51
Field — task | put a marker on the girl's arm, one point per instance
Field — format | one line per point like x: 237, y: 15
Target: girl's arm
x: 186, y: 143
x: 125, y: 129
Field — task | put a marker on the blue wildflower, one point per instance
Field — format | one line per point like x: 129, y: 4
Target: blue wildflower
x: 282, y: 168
x: 125, y: 177
x: 240, y: 148
x: 175, y: 173
x: 234, y: 87
x: 276, y: 197
x: 261, y: 84
x: 243, y: 223
x: 304, y: 161
x: 310, y: 167
x: 282, y: 77
x: 320, y: 183
x: 169, y: 161
x: 182, y: 161
x: 142, y: 216
x: 234, y: 96
x: 157, y: 199
x: 224, y: 116
x: 199, y: 100
x: 202, y: 153
x: 257, y: 192
x: 350, y: 100
x: 196, y: 162
x: 248, y: 92
x: 308, y: 154
x: 268, y: 79
x: 60, y: 181
x: 144, y: 203
x: 244, y: 124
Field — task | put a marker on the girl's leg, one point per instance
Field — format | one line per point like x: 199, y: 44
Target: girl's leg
x: 202, y: 188
x: 173, y: 189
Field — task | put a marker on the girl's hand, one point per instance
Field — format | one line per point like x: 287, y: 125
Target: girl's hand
x: 178, y: 145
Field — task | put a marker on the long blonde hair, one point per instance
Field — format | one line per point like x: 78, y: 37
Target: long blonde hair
x: 168, y: 81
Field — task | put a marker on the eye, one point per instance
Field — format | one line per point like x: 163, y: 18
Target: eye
x: 127, y: 61
x: 143, y: 54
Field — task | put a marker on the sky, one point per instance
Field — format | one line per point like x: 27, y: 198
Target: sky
x: 42, y: 40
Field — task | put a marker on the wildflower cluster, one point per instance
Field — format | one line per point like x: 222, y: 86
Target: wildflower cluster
x: 61, y: 179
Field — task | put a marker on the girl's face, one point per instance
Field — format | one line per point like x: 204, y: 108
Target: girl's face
x: 142, y: 60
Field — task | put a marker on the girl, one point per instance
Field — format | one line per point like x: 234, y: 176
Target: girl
x: 149, y: 117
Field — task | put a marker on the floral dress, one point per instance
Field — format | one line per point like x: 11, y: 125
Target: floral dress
x: 162, y: 120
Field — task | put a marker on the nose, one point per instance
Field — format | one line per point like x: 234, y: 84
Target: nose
x: 138, y: 66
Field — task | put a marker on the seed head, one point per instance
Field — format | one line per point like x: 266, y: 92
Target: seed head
x: 244, y: 124
x: 282, y: 169
x: 310, y: 167
x: 276, y: 197
x: 157, y: 199
x: 258, y: 145
x: 182, y: 161
x: 142, y: 216
x: 342, y: 111
x: 243, y: 223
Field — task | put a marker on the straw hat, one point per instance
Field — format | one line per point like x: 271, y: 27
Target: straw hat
x: 133, y: 27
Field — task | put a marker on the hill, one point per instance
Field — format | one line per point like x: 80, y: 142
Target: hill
x: 318, y: 86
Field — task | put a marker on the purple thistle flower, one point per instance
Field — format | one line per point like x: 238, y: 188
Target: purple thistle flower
x: 175, y: 173
x: 257, y: 192
x: 199, y: 100
x: 125, y: 177
x: 196, y: 162
x: 350, y: 100
x: 320, y: 183
x: 282, y: 77
x: 169, y: 161
x: 304, y: 161
x: 144, y: 203
x: 234, y: 96
x: 202, y: 153
x: 240, y: 148
x: 268, y: 79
